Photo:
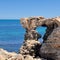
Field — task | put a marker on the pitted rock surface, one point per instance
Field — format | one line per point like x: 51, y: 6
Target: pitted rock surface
x: 30, y: 47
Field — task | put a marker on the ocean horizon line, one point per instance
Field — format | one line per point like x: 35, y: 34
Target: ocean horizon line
x: 10, y: 19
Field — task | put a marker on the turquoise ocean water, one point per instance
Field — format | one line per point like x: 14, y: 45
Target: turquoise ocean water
x: 12, y: 34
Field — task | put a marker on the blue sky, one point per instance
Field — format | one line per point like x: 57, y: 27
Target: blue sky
x: 15, y: 9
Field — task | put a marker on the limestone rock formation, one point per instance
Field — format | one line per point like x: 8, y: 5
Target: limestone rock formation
x: 51, y: 43
x: 30, y: 24
x: 50, y: 48
x: 28, y: 57
x: 30, y: 47
x: 32, y: 35
x: 17, y: 57
x: 5, y: 55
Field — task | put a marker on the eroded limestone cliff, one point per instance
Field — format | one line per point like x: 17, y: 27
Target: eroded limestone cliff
x: 50, y: 48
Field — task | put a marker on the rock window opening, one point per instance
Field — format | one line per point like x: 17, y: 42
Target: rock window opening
x: 42, y: 31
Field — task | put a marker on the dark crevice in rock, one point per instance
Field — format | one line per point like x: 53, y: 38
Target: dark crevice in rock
x: 49, y: 30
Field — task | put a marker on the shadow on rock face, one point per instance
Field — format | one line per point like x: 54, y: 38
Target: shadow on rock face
x: 51, y: 47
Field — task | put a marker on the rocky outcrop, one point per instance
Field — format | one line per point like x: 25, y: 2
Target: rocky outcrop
x: 30, y: 24
x: 49, y: 49
x: 31, y: 44
x: 4, y: 55
x: 30, y: 47
x: 32, y: 35
x: 17, y: 57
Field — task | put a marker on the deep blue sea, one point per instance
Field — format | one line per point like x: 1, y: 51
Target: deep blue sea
x: 12, y: 34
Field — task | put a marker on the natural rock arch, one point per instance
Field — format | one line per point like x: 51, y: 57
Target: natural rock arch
x: 31, y: 23
x: 47, y: 49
